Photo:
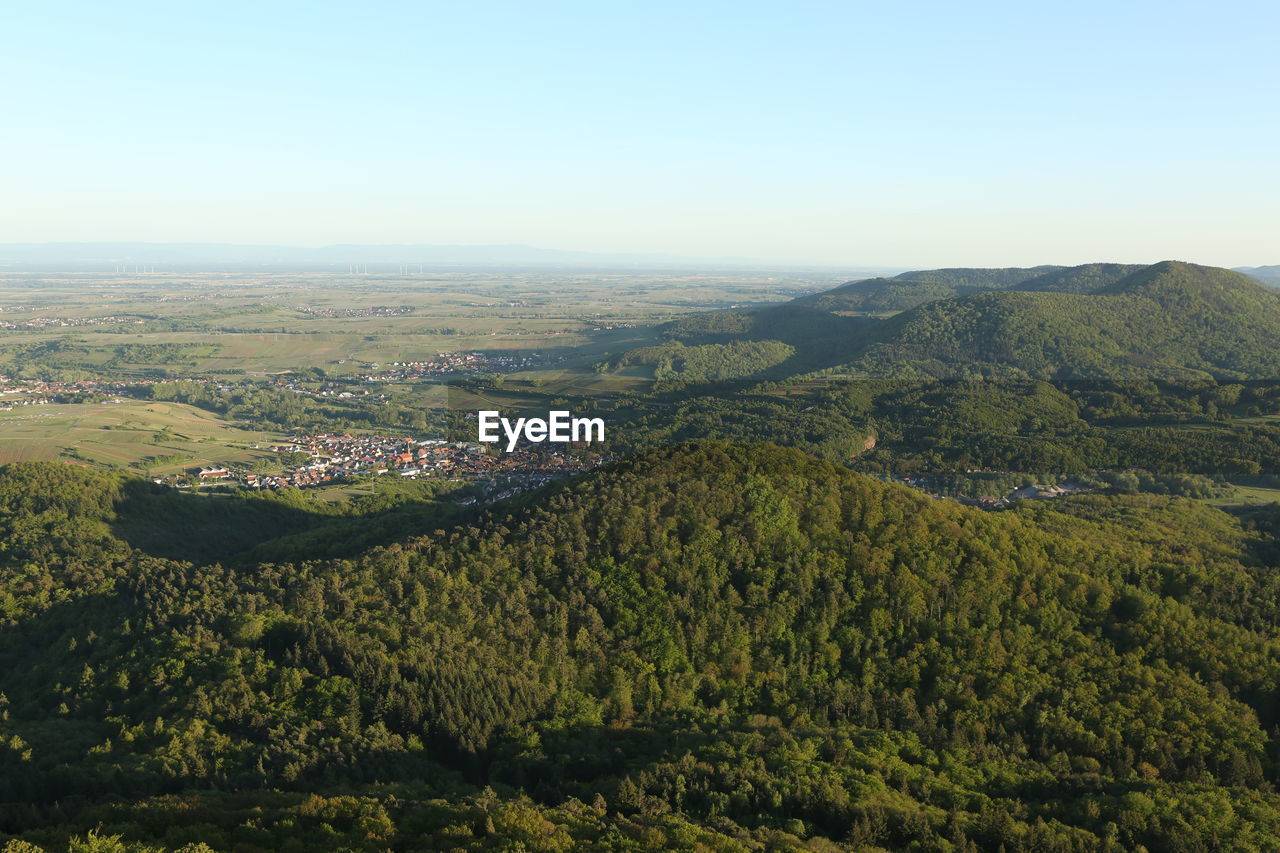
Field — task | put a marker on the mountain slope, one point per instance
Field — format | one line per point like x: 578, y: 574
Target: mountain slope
x: 745, y: 639
x: 911, y: 289
x: 1115, y: 321
x: 1168, y: 320
x: 1267, y: 275
x: 1086, y: 278
x: 985, y: 278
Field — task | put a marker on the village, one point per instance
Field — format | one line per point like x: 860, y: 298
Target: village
x: 371, y: 311
x: 324, y: 459
x: 68, y: 322
x: 461, y: 362
x: 51, y: 390
x: 7, y: 405
x: 930, y: 485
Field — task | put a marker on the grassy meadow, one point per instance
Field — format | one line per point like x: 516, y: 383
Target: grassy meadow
x: 158, y: 438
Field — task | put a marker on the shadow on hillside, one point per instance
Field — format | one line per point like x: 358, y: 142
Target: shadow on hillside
x: 249, y: 527
x: 573, y: 760
x: 1264, y: 520
x: 165, y: 522
x: 821, y: 339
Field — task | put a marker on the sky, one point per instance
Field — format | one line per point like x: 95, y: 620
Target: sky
x: 889, y: 133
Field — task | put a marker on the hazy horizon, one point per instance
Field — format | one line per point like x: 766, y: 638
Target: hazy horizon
x: 90, y: 256
x: 823, y: 134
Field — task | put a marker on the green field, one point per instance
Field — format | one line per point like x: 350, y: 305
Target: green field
x: 1247, y: 496
x: 159, y: 438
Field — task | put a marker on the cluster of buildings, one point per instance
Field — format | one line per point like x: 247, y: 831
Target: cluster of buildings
x: 326, y: 389
x: 41, y: 388
x: 371, y: 311
x: 446, y: 363
x: 10, y: 405
x: 22, y: 308
x: 331, y: 457
x: 930, y: 485
x: 192, y: 297
x: 67, y: 322
x: 1037, y: 492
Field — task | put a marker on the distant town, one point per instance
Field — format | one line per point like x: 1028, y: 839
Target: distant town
x: 371, y: 311
x: 69, y: 322
x: 327, y: 458
x: 450, y: 363
x: 46, y: 390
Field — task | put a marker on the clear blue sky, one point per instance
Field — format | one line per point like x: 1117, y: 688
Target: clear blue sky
x: 895, y: 133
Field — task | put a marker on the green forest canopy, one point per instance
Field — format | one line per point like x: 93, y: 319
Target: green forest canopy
x: 714, y: 644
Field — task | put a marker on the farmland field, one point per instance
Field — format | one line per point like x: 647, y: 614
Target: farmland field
x: 267, y: 355
x: 156, y: 437
x: 263, y: 324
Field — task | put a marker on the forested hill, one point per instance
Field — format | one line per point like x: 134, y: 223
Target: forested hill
x: 733, y: 647
x: 1168, y: 320
x: 912, y: 289
x: 1086, y: 278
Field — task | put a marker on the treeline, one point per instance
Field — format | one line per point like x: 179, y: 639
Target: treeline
x: 674, y: 363
x: 259, y: 404
x: 832, y: 423
x: 184, y: 354
x: 68, y: 359
x: 1053, y: 430
x: 1196, y: 427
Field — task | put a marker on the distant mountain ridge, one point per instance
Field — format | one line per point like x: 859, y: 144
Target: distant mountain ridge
x: 1266, y: 274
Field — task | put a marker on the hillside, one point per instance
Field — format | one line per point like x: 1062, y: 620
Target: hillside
x: 717, y: 645
x: 1168, y: 320
x: 1267, y: 275
x: 910, y: 289
x: 1086, y: 278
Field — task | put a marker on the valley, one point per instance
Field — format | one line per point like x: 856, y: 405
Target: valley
x: 958, y: 576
